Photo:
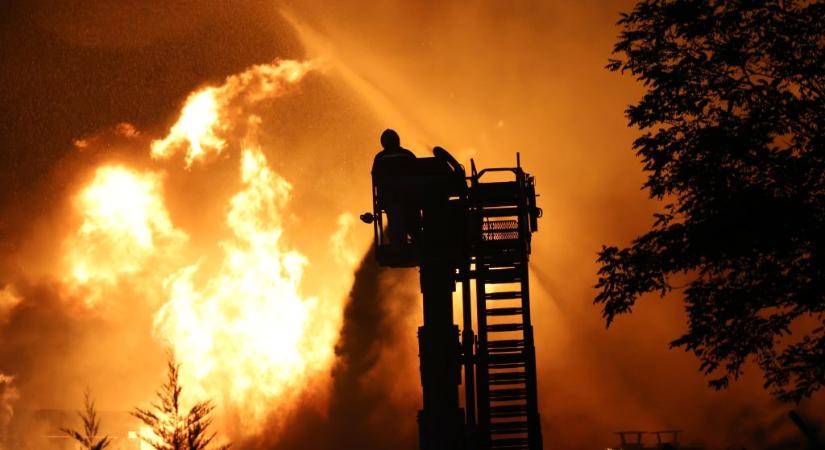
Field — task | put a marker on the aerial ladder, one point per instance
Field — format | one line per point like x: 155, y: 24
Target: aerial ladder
x: 474, y: 231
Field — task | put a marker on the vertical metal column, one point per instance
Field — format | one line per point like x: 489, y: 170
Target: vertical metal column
x: 482, y: 371
x: 468, y: 344
x: 440, y: 421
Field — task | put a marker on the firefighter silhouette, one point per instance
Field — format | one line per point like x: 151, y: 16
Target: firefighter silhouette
x: 389, y: 167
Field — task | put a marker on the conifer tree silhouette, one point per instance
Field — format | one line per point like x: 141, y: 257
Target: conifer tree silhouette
x: 172, y: 428
x: 91, y: 426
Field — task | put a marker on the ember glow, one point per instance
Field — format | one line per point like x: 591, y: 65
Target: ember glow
x: 245, y: 334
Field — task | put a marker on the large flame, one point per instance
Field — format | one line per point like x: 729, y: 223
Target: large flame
x: 245, y: 334
x: 125, y: 229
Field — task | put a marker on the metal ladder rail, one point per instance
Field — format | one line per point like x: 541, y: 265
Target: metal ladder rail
x: 506, y: 393
x: 534, y: 419
x: 482, y: 370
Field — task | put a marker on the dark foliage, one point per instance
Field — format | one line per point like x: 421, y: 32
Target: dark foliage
x: 732, y: 142
x: 91, y: 427
x: 172, y: 429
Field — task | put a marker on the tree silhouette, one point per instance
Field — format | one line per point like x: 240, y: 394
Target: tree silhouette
x: 91, y: 426
x: 732, y: 143
x: 172, y: 429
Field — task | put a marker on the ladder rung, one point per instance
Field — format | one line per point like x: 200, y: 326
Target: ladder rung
x: 508, y: 411
x: 508, y: 427
x: 508, y: 365
x: 507, y: 378
x: 492, y: 351
x: 505, y: 345
x: 500, y: 255
x: 506, y: 295
x: 495, y: 446
x: 510, y: 444
x: 504, y: 311
x: 503, y: 276
x: 504, y: 358
x: 504, y: 395
x: 507, y: 442
x: 502, y: 327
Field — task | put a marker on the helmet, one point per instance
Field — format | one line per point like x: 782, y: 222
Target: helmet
x: 390, y: 139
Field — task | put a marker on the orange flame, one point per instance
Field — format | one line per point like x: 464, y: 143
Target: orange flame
x: 125, y: 228
x: 196, y: 126
x: 203, y: 117
x: 245, y: 334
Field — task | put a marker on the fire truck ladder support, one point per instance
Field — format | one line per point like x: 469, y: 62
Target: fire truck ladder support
x: 508, y: 416
x: 466, y: 229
